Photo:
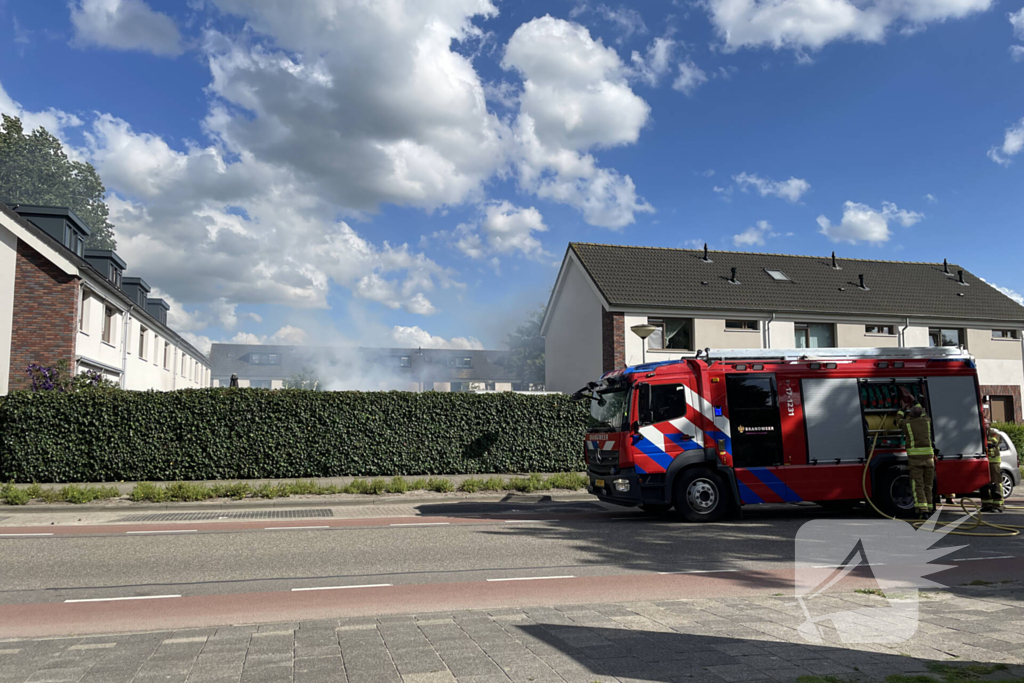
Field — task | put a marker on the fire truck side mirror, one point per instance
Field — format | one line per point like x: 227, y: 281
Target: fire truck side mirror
x: 635, y: 427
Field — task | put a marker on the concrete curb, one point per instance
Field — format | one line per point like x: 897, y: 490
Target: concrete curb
x: 312, y: 501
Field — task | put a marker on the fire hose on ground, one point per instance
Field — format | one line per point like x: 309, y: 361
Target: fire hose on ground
x: 1003, y: 530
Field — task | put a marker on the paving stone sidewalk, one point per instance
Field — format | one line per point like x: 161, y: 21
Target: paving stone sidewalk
x: 726, y: 639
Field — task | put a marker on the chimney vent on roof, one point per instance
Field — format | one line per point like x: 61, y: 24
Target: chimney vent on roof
x: 960, y: 278
x: 945, y: 267
x: 835, y: 264
x: 862, y: 285
x: 733, y: 279
x: 706, y: 259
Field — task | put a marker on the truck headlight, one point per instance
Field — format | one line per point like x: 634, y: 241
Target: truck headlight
x: 621, y: 485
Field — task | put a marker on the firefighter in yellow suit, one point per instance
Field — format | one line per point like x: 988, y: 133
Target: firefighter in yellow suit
x: 992, y: 494
x: 917, y: 430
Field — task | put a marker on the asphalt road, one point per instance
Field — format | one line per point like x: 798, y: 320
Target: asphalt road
x: 110, y: 577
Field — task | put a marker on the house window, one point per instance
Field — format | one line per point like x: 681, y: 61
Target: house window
x: 671, y: 333
x: 231, y: 356
x: 880, y: 329
x: 777, y: 275
x: 167, y: 355
x: 1005, y: 334
x: 813, y: 335
x: 265, y: 358
x: 108, y: 324
x: 945, y: 337
x: 405, y: 362
x: 83, y: 312
x: 142, y: 342
x: 182, y: 365
x: 460, y: 362
x: 742, y: 325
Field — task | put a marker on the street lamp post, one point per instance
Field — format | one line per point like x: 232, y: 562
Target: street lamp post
x: 643, y: 331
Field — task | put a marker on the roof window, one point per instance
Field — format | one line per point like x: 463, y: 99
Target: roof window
x: 777, y: 275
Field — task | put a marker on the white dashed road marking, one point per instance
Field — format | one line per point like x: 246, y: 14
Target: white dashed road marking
x: 134, y: 597
x: 335, y: 588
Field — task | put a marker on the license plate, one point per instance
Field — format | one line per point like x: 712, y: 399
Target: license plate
x: 599, y: 483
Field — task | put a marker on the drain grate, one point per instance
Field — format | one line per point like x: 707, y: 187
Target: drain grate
x: 224, y: 514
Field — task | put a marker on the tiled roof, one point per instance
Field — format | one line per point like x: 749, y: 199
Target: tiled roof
x: 680, y: 278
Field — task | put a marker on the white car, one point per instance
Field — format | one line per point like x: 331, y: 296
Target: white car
x: 1010, y: 465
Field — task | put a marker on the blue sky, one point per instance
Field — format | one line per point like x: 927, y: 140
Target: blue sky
x: 409, y: 173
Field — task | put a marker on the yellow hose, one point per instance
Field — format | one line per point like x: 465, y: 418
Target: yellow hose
x: 1006, y: 529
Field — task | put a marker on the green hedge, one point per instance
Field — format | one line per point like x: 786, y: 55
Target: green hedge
x: 1015, y: 432
x: 257, y: 433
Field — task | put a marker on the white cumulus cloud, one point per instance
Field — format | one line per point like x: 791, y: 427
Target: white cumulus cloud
x: 124, y: 25
x: 690, y: 77
x: 1013, y: 143
x: 755, y: 235
x: 575, y: 98
x: 791, y: 190
x: 861, y: 223
x: 811, y: 24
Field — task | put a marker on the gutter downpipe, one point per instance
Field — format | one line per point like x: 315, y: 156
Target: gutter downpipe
x: 903, y: 334
x: 124, y: 346
x: 768, y: 332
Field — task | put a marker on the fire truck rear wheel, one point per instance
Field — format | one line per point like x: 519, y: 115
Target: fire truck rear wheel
x: 894, y: 495
x: 700, y: 496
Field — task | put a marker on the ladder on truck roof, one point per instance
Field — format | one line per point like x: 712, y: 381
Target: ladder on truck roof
x: 910, y: 352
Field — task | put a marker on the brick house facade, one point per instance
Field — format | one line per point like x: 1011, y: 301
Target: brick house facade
x: 1003, y: 392
x: 613, y: 340
x: 44, y: 329
x: 62, y: 302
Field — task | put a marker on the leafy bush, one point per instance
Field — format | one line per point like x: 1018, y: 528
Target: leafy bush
x: 397, y: 485
x: 471, y: 485
x: 493, y: 484
x: 534, y: 482
x: 440, y: 485
x: 215, y: 434
x: 87, y: 494
x: 1015, y: 432
x: 14, y: 495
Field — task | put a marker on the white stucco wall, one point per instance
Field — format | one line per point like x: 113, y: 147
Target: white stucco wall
x: 781, y: 334
x: 915, y: 336
x: 572, y: 344
x: 8, y: 261
x: 147, y: 373
x: 854, y: 336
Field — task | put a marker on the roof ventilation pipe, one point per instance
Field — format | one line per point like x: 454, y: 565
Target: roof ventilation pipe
x: 835, y: 264
x: 862, y: 285
x: 945, y: 267
x: 960, y: 277
x: 706, y: 259
x: 733, y: 279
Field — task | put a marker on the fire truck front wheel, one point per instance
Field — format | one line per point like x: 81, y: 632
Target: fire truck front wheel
x: 700, y: 496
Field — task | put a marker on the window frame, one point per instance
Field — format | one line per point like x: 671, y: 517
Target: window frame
x: 143, y: 342
x: 107, y: 335
x: 961, y: 337
x: 784, y: 278
x: 167, y: 355
x: 806, y: 328
x: 1006, y: 335
x: 891, y: 333
x: 743, y: 325
x: 83, y: 313
x: 660, y: 323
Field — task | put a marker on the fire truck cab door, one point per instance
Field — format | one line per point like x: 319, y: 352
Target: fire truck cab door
x: 757, y: 454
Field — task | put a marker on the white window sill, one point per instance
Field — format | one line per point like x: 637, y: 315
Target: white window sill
x: 729, y: 329
x: 875, y: 334
x: 106, y: 343
x: 1005, y: 339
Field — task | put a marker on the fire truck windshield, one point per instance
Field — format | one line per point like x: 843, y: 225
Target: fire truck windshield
x: 608, y: 411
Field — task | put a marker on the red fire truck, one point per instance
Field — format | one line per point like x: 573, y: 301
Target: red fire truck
x: 711, y: 433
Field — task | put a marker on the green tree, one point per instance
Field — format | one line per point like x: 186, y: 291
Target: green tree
x: 526, y: 351
x: 34, y: 169
x: 306, y: 379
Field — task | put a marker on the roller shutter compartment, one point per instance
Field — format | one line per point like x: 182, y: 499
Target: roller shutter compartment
x: 835, y: 429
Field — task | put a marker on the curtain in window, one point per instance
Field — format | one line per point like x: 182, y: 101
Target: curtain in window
x: 820, y: 336
x: 677, y: 333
